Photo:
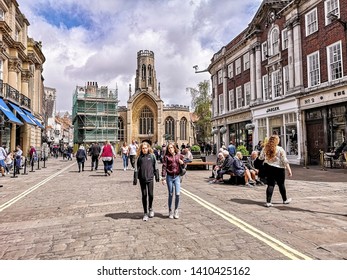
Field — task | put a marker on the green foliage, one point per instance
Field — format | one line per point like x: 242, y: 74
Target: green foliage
x: 195, y: 148
x: 243, y: 150
x: 201, y: 104
x: 158, y: 147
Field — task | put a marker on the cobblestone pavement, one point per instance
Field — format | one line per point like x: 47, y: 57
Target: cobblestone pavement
x: 58, y: 213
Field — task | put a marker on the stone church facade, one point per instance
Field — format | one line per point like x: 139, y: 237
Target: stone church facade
x: 146, y: 117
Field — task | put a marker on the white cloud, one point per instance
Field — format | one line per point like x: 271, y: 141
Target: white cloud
x: 98, y: 40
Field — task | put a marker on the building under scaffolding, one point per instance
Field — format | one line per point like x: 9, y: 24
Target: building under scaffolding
x: 95, y: 114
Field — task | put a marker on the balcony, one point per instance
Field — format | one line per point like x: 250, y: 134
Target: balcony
x: 8, y: 92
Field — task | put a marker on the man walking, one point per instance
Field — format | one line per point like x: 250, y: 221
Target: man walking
x: 94, y: 152
x: 132, y: 152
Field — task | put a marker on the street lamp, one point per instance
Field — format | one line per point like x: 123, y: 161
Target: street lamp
x: 333, y: 17
x: 196, y: 67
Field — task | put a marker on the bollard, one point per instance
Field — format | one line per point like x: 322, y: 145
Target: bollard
x: 44, y: 162
x: 32, y: 165
x: 14, y: 171
x: 321, y: 157
x: 25, y: 167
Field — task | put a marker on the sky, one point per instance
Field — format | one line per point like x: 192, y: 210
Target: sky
x: 98, y: 41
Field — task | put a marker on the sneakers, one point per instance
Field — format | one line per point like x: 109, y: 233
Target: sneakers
x: 176, y: 216
x: 145, y: 218
x: 151, y: 213
x: 287, y: 201
x: 251, y: 182
x: 249, y: 185
x: 268, y: 204
x: 124, y: 169
x: 259, y: 182
x: 171, y: 214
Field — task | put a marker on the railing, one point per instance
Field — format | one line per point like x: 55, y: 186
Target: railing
x: 10, y: 92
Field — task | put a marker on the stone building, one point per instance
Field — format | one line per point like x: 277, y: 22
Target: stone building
x: 285, y: 73
x: 146, y: 117
x: 21, y: 81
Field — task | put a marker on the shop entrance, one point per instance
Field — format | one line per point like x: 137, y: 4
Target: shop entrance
x: 315, y: 141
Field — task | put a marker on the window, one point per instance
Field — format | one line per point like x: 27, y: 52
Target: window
x: 247, y: 90
x: 334, y: 61
x: 150, y: 74
x: 274, y: 41
x: 146, y: 121
x: 246, y: 61
x: 16, y: 35
x: 183, y: 129
x: 266, y: 94
x: 231, y: 100
x: 231, y: 70
x: 220, y: 76
x: 120, y: 129
x: 238, y: 66
x: 285, y: 79
x: 264, y: 51
x: 311, y: 22
x: 262, y: 129
x: 143, y: 72
x: 285, y: 39
x: 276, y: 84
x: 214, y: 80
x: 170, y: 128
x: 313, y: 69
x: 239, y: 100
x: 2, y: 14
x: 215, y: 107
x: 331, y: 7
x: 221, y: 103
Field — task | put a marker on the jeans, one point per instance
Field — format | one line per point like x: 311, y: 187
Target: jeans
x: 171, y: 182
x: 107, y: 165
x: 125, y: 160
x: 95, y: 161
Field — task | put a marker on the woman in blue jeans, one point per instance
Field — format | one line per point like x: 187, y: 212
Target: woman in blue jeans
x: 170, y: 173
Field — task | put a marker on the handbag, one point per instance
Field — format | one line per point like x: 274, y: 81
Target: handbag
x: 183, y: 170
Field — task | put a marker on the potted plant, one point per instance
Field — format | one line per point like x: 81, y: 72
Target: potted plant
x: 195, y: 149
x: 243, y: 150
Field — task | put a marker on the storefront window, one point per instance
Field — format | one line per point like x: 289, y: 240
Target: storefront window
x: 276, y: 127
x: 291, y: 144
x: 240, y: 135
x: 261, y: 129
x: 337, y: 126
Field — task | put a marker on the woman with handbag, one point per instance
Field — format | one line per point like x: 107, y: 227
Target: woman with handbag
x: 275, y: 163
x: 145, y: 170
x: 171, y: 174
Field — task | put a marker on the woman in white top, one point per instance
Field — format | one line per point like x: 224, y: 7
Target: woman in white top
x: 125, y: 155
x: 275, y: 163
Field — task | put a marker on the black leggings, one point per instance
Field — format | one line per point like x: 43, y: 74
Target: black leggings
x: 147, y: 186
x: 275, y: 175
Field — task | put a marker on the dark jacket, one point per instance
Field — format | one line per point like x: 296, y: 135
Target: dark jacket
x: 228, y: 164
x: 146, y: 167
x: 81, y: 155
x: 239, y: 167
x: 171, y: 165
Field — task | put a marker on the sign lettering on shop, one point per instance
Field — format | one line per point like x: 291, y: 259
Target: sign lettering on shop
x: 273, y: 109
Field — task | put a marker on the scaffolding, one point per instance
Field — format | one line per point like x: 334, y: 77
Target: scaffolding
x: 95, y: 114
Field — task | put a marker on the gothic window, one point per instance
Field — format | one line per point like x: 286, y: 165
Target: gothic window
x: 183, y: 129
x: 143, y: 72
x: 146, y: 121
x: 120, y: 129
x: 149, y: 74
x: 170, y: 128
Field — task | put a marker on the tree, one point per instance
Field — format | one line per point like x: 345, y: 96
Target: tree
x: 201, y: 104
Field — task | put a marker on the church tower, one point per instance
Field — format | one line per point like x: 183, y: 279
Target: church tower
x: 146, y: 78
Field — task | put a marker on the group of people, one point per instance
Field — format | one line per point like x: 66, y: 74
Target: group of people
x: 267, y: 163
x: 14, y: 159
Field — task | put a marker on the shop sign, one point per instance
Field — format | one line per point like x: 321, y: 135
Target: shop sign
x: 272, y: 109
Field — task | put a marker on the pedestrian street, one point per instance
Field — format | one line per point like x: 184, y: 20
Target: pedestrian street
x: 57, y: 213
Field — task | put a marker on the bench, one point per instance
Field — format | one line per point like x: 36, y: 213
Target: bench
x: 200, y: 163
x: 233, y: 179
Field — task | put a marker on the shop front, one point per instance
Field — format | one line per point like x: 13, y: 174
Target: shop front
x: 325, y: 121
x: 281, y: 118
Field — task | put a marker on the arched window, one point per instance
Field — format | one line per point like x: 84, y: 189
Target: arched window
x: 146, y: 121
x: 170, y: 128
x: 183, y: 129
x: 120, y: 129
x: 150, y: 74
x: 274, y: 41
x: 143, y: 72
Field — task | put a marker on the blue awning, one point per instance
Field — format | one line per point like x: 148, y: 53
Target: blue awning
x: 22, y: 114
x: 34, y: 118
x: 11, y: 117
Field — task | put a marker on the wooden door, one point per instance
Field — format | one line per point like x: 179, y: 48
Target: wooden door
x: 315, y: 141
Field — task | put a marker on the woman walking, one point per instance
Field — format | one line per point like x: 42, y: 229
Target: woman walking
x: 170, y: 172
x: 275, y: 163
x: 81, y: 157
x: 107, y: 154
x: 125, y: 155
x: 145, y: 171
